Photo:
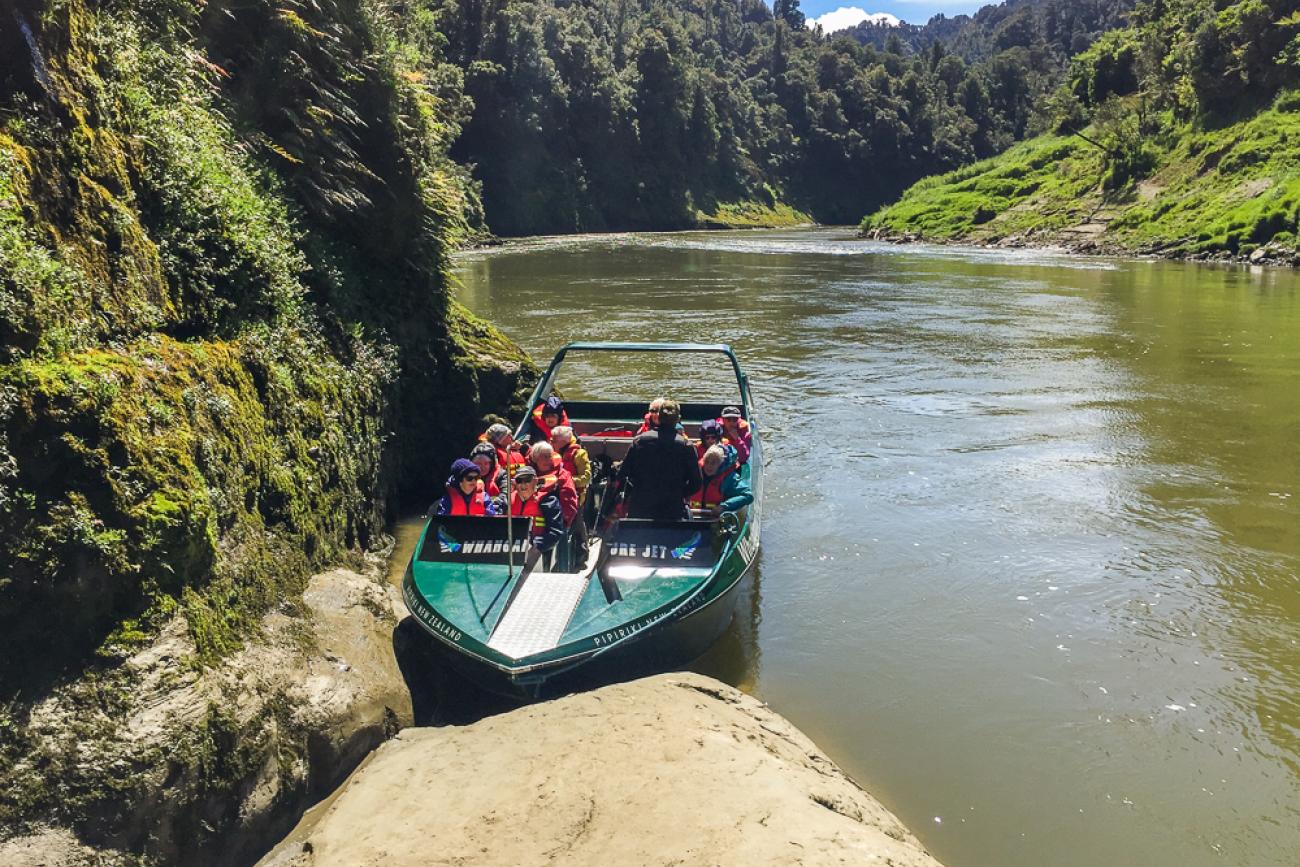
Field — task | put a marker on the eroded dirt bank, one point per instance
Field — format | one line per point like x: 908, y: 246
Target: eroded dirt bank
x: 673, y: 769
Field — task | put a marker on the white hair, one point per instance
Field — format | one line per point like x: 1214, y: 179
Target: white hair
x: 541, y: 450
x: 563, y: 431
x: 715, y: 452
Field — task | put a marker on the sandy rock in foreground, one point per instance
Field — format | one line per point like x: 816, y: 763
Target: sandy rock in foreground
x: 675, y: 769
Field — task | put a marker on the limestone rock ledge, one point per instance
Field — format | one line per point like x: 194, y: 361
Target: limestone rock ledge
x: 673, y: 769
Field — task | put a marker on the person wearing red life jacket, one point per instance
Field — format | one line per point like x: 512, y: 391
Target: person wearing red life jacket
x: 527, y: 500
x: 465, y: 493
x: 723, y: 490
x: 546, y: 415
x: 650, y: 421
x: 737, y: 432
x: 574, y: 457
x: 484, y: 455
x: 553, y: 478
x: 508, y: 454
x: 710, y: 435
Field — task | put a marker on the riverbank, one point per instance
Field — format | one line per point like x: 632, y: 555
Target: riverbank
x: 160, y: 761
x: 1230, y: 193
x: 674, y: 769
x: 1278, y: 257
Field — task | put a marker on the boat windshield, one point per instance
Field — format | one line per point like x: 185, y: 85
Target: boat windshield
x: 638, y: 376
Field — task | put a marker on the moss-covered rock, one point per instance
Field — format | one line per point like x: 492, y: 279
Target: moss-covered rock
x: 227, y: 351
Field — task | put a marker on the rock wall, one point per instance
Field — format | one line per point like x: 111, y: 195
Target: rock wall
x: 228, y: 349
x: 160, y: 762
x: 674, y: 769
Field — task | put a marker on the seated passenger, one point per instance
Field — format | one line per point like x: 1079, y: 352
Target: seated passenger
x: 526, y: 500
x: 465, y: 494
x: 661, y: 470
x: 650, y: 421
x: 710, y: 435
x: 494, y: 475
x: 574, y: 457
x: 508, y: 455
x: 737, y: 431
x: 553, y: 478
x: 548, y: 414
x: 723, y: 490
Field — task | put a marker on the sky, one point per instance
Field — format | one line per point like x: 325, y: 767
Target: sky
x: 834, y: 14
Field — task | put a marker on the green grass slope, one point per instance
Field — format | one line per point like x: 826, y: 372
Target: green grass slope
x: 1226, y: 192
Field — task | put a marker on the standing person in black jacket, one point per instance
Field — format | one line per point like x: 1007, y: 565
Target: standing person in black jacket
x: 661, y: 469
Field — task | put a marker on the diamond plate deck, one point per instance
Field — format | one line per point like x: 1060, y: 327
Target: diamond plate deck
x: 540, y: 612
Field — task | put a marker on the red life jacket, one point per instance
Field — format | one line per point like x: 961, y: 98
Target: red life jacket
x: 542, y: 427
x: 567, y: 457
x: 710, y: 494
x: 509, y: 457
x: 477, y: 504
x: 529, y: 509
x: 555, y: 484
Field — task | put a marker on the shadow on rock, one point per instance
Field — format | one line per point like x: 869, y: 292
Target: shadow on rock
x: 439, y: 694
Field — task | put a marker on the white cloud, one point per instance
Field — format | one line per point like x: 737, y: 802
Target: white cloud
x: 849, y: 16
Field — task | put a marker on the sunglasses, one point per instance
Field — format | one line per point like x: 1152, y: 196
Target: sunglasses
x: 472, y: 477
x: 519, y: 483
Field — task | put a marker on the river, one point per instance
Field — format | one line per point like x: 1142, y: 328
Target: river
x: 1032, y: 524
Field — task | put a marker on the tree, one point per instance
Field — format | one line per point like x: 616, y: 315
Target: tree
x: 788, y: 11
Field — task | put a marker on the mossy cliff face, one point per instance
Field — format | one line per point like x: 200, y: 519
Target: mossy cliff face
x: 227, y: 346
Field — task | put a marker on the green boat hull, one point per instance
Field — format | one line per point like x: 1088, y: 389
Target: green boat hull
x: 678, y: 583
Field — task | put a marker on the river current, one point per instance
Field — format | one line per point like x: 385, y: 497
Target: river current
x: 1031, y: 540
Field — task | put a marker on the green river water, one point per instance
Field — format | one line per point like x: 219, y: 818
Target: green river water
x: 1032, y: 533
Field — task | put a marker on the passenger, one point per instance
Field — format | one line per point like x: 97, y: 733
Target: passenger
x: 494, y: 475
x: 508, y: 455
x: 661, y: 469
x: 650, y: 421
x: 574, y: 457
x: 737, y: 431
x: 466, y: 494
x: 553, y: 478
x: 547, y: 415
x: 527, y: 500
x: 710, y: 435
x: 723, y: 490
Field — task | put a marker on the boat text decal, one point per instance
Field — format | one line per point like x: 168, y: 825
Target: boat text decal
x: 427, y: 615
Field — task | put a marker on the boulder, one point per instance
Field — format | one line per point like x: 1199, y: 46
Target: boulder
x: 673, y: 769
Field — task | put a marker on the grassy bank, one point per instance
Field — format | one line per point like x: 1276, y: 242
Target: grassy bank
x: 1221, y: 192
x: 753, y: 215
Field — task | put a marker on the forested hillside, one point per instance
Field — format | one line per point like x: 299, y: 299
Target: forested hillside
x: 1175, y: 135
x: 611, y: 115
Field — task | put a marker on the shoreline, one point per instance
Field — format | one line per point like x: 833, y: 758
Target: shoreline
x: 1266, y: 256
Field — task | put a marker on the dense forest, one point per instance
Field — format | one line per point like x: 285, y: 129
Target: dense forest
x: 610, y: 114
